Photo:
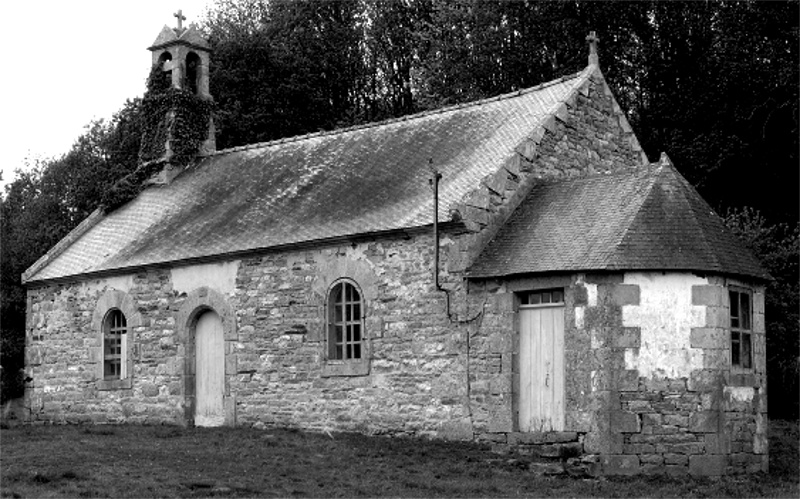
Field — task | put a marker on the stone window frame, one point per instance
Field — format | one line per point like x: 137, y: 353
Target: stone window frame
x: 114, y: 300
x: 743, y: 331
x: 196, y: 303
x: 352, y: 366
x: 115, y: 343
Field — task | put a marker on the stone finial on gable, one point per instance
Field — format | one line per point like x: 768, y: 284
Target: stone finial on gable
x: 664, y: 160
x: 592, y: 38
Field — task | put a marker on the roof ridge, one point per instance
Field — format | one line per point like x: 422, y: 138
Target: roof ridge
x: 690, y: 194
x: 639, y: 170
x: 654, y: 179
x: 408, y: 117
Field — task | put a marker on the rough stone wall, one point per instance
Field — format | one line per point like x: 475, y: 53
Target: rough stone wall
x: 61, y: 354
x: 275, y: 363
x: 691, y: 411
x: 649, y: 385
x: 429, y: 374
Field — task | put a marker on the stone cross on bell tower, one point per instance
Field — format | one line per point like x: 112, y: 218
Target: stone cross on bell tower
x: 181, y: 18
x: 592, y: 38
x: 183, y: 55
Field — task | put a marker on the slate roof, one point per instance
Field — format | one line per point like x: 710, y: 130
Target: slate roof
x: 187, y: 36
x: 361, y: 180
x: 650, y: 218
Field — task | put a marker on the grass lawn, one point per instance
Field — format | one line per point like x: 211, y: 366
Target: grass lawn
x: 161, y: 461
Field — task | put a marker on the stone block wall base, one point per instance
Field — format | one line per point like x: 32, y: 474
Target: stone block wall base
x: 708, y: 465
x: 618, y: 465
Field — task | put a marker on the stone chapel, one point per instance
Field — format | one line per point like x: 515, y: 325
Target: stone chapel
x: 512, y: 270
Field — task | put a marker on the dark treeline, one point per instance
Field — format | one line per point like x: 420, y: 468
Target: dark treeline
x: 713, y: 84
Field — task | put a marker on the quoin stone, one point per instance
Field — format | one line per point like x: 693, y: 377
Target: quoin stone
x: 588, y: 305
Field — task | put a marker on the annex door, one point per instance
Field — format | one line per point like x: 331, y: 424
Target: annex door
x: 541, y: 359
x: 209, y: 371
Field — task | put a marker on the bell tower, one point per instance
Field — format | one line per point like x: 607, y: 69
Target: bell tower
x: 183, y: 55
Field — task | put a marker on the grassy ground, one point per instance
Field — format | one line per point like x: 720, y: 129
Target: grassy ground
x: 135, y: 461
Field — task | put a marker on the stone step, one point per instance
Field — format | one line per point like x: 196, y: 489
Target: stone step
x: 574, y: 466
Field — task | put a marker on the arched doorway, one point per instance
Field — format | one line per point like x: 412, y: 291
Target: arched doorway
x: 209, y: 370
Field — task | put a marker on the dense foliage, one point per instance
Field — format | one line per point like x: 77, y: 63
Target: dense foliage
x: 714, y: 84
x: 778, y: 247
x: 167, y: 117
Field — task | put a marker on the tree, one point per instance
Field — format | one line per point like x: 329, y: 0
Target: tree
x: 293, y: 70
x: 714, y: 84
x: 44, y: 203
x: 777, y: 246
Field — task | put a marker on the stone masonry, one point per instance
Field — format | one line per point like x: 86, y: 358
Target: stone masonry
x: 428, y: 374
x: 687, y: 412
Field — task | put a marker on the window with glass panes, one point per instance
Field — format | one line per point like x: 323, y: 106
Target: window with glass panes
x: 543, y: 297
x: 114, y: 332
x: 345, y: 324
x: 741, y: 328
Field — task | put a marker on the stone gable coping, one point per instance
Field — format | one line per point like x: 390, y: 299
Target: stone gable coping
x: 487, y: 208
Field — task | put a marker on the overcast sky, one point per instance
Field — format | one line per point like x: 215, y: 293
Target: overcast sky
x: 67, y: 62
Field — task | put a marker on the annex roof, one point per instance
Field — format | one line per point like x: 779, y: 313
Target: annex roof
x: 650, y: 218
x: 361, y: 180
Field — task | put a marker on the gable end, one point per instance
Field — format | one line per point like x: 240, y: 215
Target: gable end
x: 585, y: 133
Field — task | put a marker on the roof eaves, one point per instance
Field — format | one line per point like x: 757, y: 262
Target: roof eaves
x: 613, y: 268
x: 405, y: 232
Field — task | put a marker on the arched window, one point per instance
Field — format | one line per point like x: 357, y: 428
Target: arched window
x: 192, y: 72
x: 115, y: 345
x: 166, y: 78
x: 114, y: 322
x: 345, y: 322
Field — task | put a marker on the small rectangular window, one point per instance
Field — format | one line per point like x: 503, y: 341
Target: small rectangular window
x: 543, y: 297
x: 741, y: 328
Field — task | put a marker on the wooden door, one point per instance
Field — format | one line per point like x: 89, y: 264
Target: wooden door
x: 209, y: 371
x: 541, y: 358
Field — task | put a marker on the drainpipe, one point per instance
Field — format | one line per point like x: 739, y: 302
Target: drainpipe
x: 435, y: 181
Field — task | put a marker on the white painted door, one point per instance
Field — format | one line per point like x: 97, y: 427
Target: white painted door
x: 209, y: 371
x: 541, y: 358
